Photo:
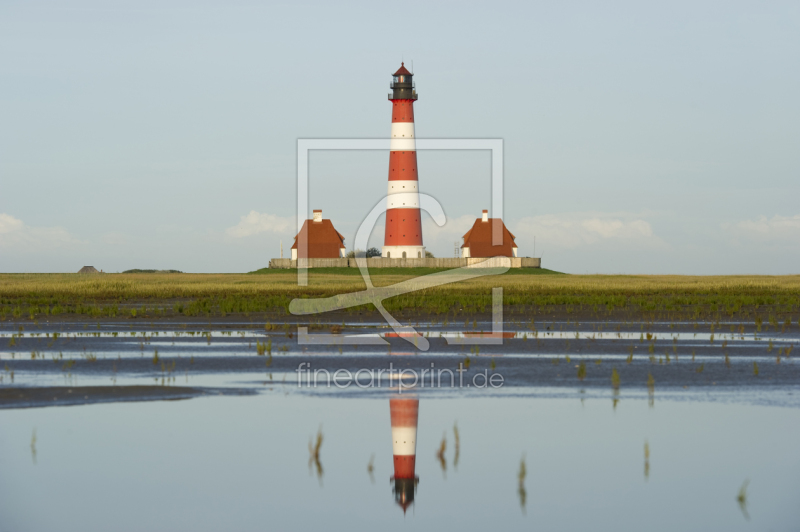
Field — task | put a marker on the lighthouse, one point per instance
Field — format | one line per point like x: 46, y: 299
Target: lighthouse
x: 404, y: 413
x: 403, y: 237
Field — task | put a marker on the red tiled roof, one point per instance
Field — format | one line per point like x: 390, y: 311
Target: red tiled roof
x: 324, y: 242
x: 479, y: 240
x: 402, y: 71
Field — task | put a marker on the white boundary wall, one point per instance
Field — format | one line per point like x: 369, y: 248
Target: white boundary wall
x: 380, y: 262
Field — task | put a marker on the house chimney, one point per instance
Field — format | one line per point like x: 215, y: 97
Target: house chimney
x: 485, y: 217
x: 317, y: 215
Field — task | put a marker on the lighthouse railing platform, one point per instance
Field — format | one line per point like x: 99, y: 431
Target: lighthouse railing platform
x: 412, y: 97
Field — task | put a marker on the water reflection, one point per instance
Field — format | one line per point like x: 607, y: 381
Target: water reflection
x: 700, y: 473
x: 405, y: 416
x: 313, y: 454
x: 742, y: 499
x: 371, y: 468
x: 33, y: 447
x: 457, y: 438
x: 521, y: 491
x: 440, y: 456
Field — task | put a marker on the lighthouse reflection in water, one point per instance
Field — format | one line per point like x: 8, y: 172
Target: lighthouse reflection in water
x: 405, y: 414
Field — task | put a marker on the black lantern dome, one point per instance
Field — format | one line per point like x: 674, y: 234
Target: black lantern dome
x: 402, y: 85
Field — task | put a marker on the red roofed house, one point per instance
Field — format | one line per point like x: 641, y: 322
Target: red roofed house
x: 324, y: 242
x: 478, y: 240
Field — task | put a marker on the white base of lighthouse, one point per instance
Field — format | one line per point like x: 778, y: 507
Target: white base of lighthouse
x: 403, y: 252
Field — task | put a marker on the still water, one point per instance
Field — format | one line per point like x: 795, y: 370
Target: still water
x: 244, y: 463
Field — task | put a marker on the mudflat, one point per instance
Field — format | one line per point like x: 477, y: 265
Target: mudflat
x: 22, y: 397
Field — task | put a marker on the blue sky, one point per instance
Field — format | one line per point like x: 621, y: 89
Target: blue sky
x: 639, y: 137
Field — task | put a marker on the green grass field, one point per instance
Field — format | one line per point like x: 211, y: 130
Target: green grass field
x: 34, y: 296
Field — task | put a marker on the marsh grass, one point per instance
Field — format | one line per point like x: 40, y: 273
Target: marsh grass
x: 615, y: 379
x: 157, y: 295
x: 263, y: 348
x: 581, y: 371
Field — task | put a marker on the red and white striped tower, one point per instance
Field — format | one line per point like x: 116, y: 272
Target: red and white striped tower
x: 403, y: 238
x: 405, y: 413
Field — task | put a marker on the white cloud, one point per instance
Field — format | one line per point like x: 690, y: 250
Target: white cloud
x: 9, y: 224
x: 15, y: 234
x: 571, y: 230
x: 115, y: 238
x: 617, y: 228
x: 777, y: 227
x: 440, y: 240
x: 453, y: 229
x: 256, y: 222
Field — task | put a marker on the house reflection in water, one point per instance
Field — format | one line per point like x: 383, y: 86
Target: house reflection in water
x: 405, y: 414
